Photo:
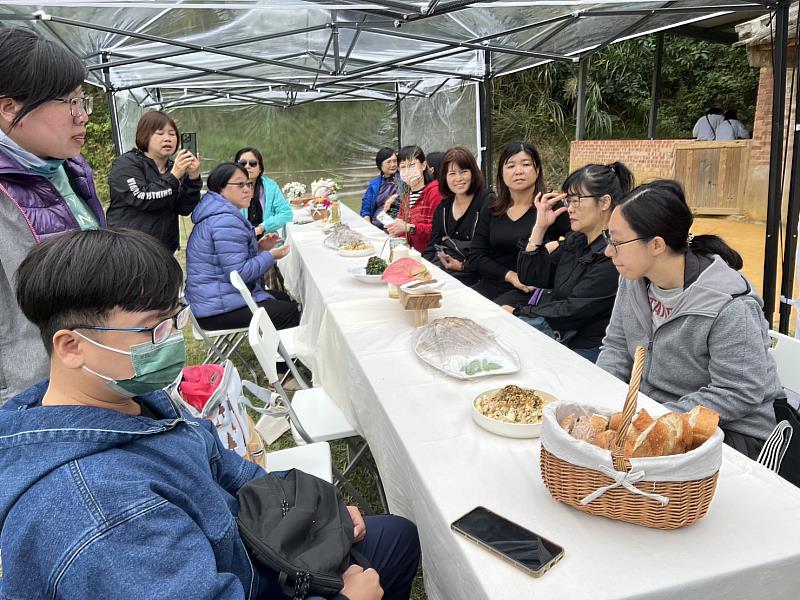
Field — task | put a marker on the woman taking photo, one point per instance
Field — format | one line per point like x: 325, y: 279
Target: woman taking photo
x: 454, y: 221
x: 148, y: 189
x: 507, y: 221
x: 682, y: 297
x: 223, y: 241
x: 269, y: 211
x: 414, y: 213
x: 46, y: 187
x: 380, y: 189
x: 578, y: 281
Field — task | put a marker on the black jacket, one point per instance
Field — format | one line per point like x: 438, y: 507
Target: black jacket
x: 580, y: 285
x: 460, y: 230
x: 144, y: 199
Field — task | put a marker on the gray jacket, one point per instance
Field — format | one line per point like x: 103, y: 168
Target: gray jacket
x: 712, y: 350
x: 23, y: 359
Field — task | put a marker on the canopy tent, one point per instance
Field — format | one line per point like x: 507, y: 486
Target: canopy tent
x: 419, y: 71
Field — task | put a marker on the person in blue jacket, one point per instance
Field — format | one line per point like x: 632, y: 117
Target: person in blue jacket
x: 380, y: 189
x: 223, y: 241
x: 269, y: 211
x: 108, y: 489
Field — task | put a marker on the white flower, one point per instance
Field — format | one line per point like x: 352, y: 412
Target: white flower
x: 323, y: 187
x: 293, y: 190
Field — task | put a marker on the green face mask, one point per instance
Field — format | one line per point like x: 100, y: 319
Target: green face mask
x: 155, y: 366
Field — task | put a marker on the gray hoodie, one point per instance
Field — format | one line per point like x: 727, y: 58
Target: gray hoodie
x: 712, y: 350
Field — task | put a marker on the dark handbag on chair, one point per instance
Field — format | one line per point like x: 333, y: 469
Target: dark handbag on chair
x: 299, y: 527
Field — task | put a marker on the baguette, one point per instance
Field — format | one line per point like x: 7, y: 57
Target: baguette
x: 679, y: 434
x: 653, y: 441
x: 703, y: 422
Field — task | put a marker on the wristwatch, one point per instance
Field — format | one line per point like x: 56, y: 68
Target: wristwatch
x: 412, y: 228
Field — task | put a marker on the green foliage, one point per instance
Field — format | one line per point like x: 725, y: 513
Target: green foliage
x: 540, y: 104
x: 99, y: 147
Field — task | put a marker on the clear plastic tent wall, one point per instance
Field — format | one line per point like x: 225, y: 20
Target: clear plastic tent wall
x: 249, y: 70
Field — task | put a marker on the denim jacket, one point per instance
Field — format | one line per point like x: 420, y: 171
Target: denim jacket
x: 98, y: 504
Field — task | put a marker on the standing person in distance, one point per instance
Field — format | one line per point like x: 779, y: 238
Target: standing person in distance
x: 46, y: 186
x: 148, y: 188
x: 455, y: 219
x: 682, y: 297
x: 506, y: 222
x: 577, y: 282
x: 269, y: 211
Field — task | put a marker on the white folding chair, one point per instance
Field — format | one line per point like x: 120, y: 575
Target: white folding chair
x: 286, y: 351
x: 313, y: 415
x: 314, y: 459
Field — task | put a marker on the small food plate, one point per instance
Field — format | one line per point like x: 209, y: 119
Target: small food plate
x: 360, y: 274
x: 420, y: 288
x: 504, y: 428
x: 361, y: 252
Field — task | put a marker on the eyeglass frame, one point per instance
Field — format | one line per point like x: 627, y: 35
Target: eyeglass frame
x: 244, y: 163
x: 86, y: 104
x: 174, y: 321
x: 242, y: 184
x: 566, y: 201
x: 616, y: 245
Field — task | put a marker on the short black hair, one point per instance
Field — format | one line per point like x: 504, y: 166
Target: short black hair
x: 79, y: 277
x: 384, y: 154
x: 434, y: 162
x: 221, y: 175
x: 36, y: 70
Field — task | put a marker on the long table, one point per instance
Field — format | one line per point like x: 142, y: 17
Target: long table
x: 436, y: 464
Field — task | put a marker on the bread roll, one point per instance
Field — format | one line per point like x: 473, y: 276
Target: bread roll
x: 599, y: 422
x: 605, y: 439
x: 703, y: 422
x: 568, y: 422
x: 584, y: 430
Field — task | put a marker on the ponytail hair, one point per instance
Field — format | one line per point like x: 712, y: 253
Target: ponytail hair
x: 614, y: 180
x: 659, y: 209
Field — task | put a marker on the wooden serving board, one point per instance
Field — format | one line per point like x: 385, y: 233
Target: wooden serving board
x: 420, y: 303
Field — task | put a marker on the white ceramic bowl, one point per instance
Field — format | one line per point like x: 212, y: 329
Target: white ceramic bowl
x: 360, y: 274
x: 356, y: 253
x: 512, y: 430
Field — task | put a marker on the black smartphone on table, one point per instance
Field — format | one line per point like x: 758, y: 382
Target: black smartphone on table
x: 189, y: 142
x: 525, y: 549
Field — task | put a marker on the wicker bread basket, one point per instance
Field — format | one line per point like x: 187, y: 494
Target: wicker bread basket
x: 603, y: 487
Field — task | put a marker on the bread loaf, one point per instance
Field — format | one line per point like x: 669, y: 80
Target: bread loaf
x: 703, y: 422
x: 605, y: 439
x: 568, y: 422
x: 653, y: 441
x: 584, y: 430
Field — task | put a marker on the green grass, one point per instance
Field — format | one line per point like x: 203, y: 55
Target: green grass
x: 361, y: 479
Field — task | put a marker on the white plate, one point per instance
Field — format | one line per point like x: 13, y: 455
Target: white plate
x: 512, y: 430
x: 360, y: 274
x: 354, y: 253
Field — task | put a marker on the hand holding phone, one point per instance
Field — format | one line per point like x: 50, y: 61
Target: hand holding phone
x: 189, y: 142
x: 525, y: 549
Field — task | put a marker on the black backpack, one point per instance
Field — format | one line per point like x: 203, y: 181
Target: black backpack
x: 299, y: 527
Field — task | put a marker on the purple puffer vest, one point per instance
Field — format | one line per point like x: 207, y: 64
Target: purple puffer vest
x: 38, y: 201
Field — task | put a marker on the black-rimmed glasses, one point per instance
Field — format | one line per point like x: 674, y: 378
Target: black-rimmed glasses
x: 615, y: 245
x: 160, y: 333
x: 79, y: 105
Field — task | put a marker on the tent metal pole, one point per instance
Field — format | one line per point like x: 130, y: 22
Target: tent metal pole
x: 580, y: 110
x: 792, y: 216
x: 398, y: 115
x: 487, y: 107
x: 655, y: 90
x: 775, y: 193
x: 112, y: 107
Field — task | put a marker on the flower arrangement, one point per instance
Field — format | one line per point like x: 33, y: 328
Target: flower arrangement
x: 321, y: 189
x: 293, y: 190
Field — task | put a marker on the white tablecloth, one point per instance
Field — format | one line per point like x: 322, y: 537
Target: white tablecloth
x: 436, y: 465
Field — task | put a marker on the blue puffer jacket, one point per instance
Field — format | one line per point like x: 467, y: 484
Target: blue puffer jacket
x: 371, y: 197
x: 222, y: 241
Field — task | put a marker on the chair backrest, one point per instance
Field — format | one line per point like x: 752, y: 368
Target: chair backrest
x: 264, y: 341
x: 241, y: 286
x: 786, y: 352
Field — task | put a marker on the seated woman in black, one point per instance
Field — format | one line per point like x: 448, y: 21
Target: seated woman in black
x: 580, y: 280
x: 507, y: 220
x: 461, y: 183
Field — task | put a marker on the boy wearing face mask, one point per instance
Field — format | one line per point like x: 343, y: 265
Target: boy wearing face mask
x: 109, y: 491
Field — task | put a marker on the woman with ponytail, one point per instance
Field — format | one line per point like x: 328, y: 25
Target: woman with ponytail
x: 682, y: 297
x: 577, y: 282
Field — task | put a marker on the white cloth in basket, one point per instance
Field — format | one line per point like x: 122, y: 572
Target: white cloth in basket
x: 696, y: 464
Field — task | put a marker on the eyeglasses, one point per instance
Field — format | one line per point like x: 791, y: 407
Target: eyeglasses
x: 242, y: 184
x: 244, y: 163
x: 160, y: 333
x: 79, y: 105
x: 574, y: 201
x: 615, y: 245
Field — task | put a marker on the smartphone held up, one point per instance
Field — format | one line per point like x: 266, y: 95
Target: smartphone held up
x: 189, y: 142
